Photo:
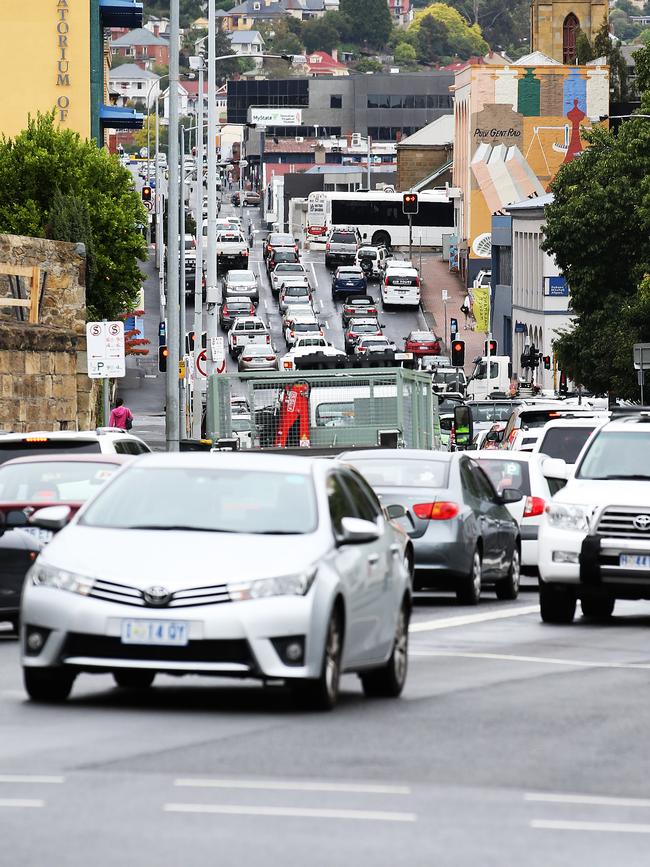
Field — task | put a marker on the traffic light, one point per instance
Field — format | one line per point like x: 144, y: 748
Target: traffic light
x: 490, y: 347
x: 163, y: 355
x: 547, y: 362
x: 146, y: 193
x: 458, y: 353
x: 453, y: 327
x: 409, y: 203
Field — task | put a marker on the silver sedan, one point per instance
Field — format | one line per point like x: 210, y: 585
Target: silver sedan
x: 270, y: 567
x: 257, y: 356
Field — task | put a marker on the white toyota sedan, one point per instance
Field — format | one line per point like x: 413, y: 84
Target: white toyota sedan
x: 270, y: 567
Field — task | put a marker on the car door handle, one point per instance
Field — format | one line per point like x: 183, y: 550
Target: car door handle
x: 373, y: 558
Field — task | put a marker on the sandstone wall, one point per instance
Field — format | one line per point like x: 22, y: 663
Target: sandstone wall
x: 414, y: 164
x: 43, y: 381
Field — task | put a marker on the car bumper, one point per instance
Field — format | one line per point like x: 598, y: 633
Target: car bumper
x: 600, y: 566
x: 239, y: 639
x: 401, y: 300
x: 558, y: 554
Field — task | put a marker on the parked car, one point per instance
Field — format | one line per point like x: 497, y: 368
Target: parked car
x: 341, y: 245
x: 252, y: 199
x: 257, y: 356
x: 357, y: 328
x: 302, y: 619
x: 355, y: 306
x: 348, y: 280
x: 242, y: 283
x: 422, y: 343
x: 463, y: 535
x: 234, y: 306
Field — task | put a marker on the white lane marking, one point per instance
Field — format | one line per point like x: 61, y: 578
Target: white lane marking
x: 545, y: 660
x: 266, y: 306
x: 294, y: 786
x: 313, y: 271
x: 607, y: 827
x: 327, y: 325
x: 467, y: 619
x: 31, y: 778
x: 21, y: 802
x: 292, y: 812
x: 591, y: 800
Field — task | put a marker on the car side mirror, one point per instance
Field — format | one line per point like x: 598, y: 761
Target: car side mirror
x: 510, y: 495
x: 395, y: 510
x: 556, y: 468
x: 52, y: 518
x: 356, y: 531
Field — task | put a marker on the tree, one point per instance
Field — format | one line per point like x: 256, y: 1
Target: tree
x: 280, y: 38
x: 598, y: 230
x: 584, y: 52
x: 405, y: 55
x: 368, y: 65
x: 320, y: 35
x: 431, y: 40
x: 460, y: 38
x: 502, y: 24
x: 642, y: 63
x: 370, y: 20
x: 45, y: 174
x: 604, y: 46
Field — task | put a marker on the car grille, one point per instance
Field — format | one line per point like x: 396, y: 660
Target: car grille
x: 235, y: 650
x: 125, y: 595
x: 618, y: 522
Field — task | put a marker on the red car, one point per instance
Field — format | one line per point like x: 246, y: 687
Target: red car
x: 422, y: 343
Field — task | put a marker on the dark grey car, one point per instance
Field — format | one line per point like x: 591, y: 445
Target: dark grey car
x: 463, y: 535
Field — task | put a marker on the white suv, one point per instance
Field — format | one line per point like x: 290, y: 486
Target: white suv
x: 104, y: 440
x: 594, y: 540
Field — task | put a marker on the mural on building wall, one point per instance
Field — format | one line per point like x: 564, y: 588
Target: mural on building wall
x: 525, y: 123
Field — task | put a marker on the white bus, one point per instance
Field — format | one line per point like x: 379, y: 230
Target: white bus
x: 379, y: 216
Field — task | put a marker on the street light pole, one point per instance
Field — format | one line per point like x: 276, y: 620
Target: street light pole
x: 198, y: 276
x: 173, y: 295
x: 181, y: 349
x: 211, y: 275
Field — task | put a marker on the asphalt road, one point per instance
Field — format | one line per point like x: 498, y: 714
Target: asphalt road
x: 515, y: 743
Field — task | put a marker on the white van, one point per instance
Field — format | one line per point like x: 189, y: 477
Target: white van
x: 401, y: 286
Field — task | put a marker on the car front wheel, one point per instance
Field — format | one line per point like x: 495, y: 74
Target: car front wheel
x: 388, y: 681
x: 48, y: 684
x: 322, y: 693
x: 557, y: 603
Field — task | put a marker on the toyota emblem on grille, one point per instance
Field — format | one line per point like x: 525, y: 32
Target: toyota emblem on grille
x: 157, y: 596
x: 642, y: 522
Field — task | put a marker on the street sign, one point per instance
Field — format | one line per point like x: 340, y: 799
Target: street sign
x: 276, y: 116
x: 642, y: 356
x: 181, y: 368
x: 218, y: 353
x: 445, y: 295
x: 105, y: 349
x: 148, y: 205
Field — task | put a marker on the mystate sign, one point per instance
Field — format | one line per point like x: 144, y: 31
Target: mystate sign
x: 276, y: 116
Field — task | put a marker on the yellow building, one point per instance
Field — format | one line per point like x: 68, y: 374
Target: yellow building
x: 55, y: 51
x: 555, y: 24
x: 514, y: 126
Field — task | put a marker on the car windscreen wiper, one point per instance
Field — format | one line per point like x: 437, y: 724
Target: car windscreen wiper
x: 641, y: 477
x: 189, y: 527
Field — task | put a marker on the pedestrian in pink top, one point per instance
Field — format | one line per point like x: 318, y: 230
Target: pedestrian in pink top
x: 121, y: 416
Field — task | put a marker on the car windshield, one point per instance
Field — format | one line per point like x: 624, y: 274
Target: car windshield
x: 617, y: 455
x: 507, y: 474
x: 222, y: 500
x: 238, y: 306
x: 257, y: 349
x: 243, y: 278
x: 22, y: 448
x: 565, y: 442
x: 404, y: 474
x: 305, y: 326
x: 362, y: 328
x: 281, y: 240
x: 491, y: 411
x: 53, y: 481
x: 284, y: 256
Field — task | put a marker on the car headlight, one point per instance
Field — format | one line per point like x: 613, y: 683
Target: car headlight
x: 59, y: 579
x: 297, y: 584
x: 566, y: 516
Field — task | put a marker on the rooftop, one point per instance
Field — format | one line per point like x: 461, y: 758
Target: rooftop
x: 132, y: 72
x: 439, y: 132
x: 141, y: 36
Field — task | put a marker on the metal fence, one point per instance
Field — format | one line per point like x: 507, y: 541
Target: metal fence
x: 324, y: 409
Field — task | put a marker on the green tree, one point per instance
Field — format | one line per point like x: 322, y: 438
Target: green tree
x: 370, y: 20
x: 368, y: 65
x: 598, y: 230
x: 320, y: 35
x: 405, y: 55
x: 431, y: 40
x: 502, y: 24
x: 584, y: 52
x: 45, y: 173
x: 642, y: 63
x: 460, y: 38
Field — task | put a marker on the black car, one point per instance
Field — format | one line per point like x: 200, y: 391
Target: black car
x: 18, y: 550
x: 463, y: 535
x: 281, y: 254
x: 232, y: 308
x: 234, y: 199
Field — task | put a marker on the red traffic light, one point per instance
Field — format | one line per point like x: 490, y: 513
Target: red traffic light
x: 490, y: 347
x: 458, y: 353
x: 146, y: 194
x: 163, y: 355
x: 410, y: 203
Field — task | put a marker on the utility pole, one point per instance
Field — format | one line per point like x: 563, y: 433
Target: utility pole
x: 411, y: 239
x: 197, y: 399
x: 183, y: 328
x: 369, y: 142
x: 211, y: 275
x: 173, y: 295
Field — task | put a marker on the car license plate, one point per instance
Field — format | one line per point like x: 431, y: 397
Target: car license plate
x: 43, y: 536
x: 154, y: 632
x: 634, y: 561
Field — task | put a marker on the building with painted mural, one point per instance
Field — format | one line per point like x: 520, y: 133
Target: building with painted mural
x: 55, y: 54
x: 514, y: 126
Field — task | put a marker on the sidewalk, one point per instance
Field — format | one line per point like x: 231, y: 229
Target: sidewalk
x: 435, y: 276
x: 143, y: 387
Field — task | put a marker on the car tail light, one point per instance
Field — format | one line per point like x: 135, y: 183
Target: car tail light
x: 534, y: 506
x: 37, y: 439
x: 439, y: 511
x: 245, y: 253
x: 247, y: 357
x: 268, y: 338
x: 252, y: 310
x: 417, y: 281
x: 234, y: 339
x: 327, y: 246
x: 225, y: 310
x: 270, y: 357
x: 386, y: 281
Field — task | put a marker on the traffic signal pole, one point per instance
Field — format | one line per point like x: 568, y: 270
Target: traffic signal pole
x: 410, y: 238
x: 173, y: 295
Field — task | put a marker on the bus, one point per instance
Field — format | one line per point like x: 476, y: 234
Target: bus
x: 379, y: 217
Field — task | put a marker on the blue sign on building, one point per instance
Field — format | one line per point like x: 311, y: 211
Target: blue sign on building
x: 557, y: 287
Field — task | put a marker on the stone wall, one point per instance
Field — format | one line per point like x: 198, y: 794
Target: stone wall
x: 43, y: 381
x: 416, y: 163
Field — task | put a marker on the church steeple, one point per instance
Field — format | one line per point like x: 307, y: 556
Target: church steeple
x: 555, y: 25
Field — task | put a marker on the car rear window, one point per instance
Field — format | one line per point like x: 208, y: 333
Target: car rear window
x: 407, y: 474
x: 507, y: 474
x: 364, y: 329
x: 402, y: 280
x: 536, y: 418
x: 343, y: 237
x: 21, y: 449
x: 565, y: 442
x: 53, y: 481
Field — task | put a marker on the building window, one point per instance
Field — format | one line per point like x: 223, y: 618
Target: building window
x: 570, y: 32
x: 336, y: 100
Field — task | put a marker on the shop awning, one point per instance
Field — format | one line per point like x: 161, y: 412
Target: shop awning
x: 114, y: 117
